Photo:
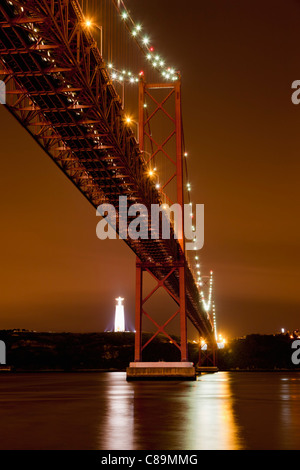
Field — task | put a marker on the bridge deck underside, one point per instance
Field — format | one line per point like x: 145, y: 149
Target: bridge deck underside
x: 59, y: 89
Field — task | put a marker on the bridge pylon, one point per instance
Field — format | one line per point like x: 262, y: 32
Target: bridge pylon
x: 207, y: 361
x: 183, y: 369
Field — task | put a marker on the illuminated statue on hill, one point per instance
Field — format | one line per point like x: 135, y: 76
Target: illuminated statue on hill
x: 119, y: 316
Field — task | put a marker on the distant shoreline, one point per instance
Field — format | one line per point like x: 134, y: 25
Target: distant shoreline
x: 79, y: 371
x: 33, y: 352
x: 59, y: 371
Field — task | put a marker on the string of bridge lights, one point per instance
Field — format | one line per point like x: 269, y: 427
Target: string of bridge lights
x: 126, y: 76
x: 122, y: 76
x: 208, y: 305
x: 170, y: 74
x: 144, y: 43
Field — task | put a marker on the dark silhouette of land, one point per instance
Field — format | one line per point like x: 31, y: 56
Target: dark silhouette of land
x: 258, y: 352
x: 36, y: 351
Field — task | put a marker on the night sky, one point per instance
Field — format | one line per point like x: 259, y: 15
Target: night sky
x: 238, y: 60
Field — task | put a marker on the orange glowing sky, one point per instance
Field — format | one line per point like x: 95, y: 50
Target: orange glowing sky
x: 238, y: 61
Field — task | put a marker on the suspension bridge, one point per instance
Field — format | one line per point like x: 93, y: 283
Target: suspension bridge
x: 75, y: 73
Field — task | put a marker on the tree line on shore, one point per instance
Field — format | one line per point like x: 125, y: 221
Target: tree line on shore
x: 28, y: 350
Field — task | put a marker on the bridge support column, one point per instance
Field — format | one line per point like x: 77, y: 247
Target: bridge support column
x: 138, y: 314
x: 183, y: 321
x: 154, y: 101
x: 177, y: 270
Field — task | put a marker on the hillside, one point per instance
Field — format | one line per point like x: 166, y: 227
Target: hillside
x: 27, y: 350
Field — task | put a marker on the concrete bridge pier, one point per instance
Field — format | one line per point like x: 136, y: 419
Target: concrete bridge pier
x: 161, y: 371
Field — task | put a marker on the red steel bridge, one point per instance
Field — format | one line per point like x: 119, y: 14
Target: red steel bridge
x: 63, y: 88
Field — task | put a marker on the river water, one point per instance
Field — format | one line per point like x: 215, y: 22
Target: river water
x: 226, y: 410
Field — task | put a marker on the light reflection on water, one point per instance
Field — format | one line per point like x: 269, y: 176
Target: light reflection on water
x: 170, y: 415
x: 290, y: 411
x: 102, y: 411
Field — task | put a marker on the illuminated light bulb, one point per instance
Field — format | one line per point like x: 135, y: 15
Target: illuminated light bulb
x: 128, y: 120
x: 114, y: 76
x: 138, y: 27
x: 157, y: 186
x: 146, y: 40
x: 134, y: 33
x: 161, y: 63
x: 88, y: 23
x: 151, y: 173
x: 149, y: 56
x: 110, y: 66
x: 154, y: 64
x: 145, y: 105
x: 185, y: 154
x: 124, y: 15
x: 151, y: 49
